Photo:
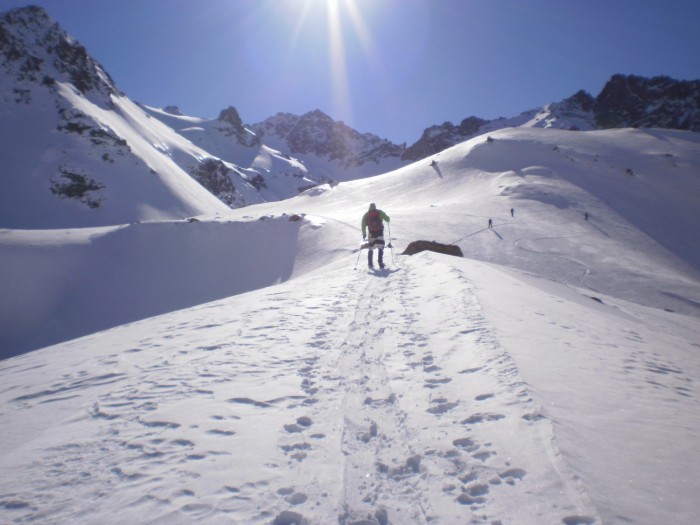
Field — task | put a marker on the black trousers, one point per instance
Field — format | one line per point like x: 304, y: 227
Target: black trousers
x: 376, y: 241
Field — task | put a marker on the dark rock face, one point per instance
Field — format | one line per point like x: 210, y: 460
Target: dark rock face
x: 214, y: 175
x: 446, y: 135
x: 581, y: 100
x: 232, y: 126
x: 34, y: 48
x: 420, y: 246
x: 660, y: 102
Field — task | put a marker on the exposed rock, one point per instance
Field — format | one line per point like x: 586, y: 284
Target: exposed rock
x: 438, y: 138
x: 213, y: 174
x: 36, y: 49
x: 433, y: 246
x: 233, y: 127
x: 661, y: 102
x: 315, y: 133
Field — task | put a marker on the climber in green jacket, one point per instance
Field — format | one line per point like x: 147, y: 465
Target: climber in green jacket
x: 373, y: 221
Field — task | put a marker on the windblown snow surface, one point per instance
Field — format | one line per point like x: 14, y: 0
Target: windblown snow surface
x: 548, y: 377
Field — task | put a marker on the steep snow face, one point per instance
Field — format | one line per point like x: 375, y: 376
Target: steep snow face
x: 90, y: 166
x: 252, y: 172
x: 82, y: 154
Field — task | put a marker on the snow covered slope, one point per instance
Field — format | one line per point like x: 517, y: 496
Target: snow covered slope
x: 81, y: 154
x: 639, y: 189
x: 550, y: 376
x: 250, y: 171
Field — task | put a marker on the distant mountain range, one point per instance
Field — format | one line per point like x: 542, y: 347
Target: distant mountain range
x: 78, y: 145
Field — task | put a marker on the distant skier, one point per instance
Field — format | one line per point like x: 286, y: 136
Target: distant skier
x: 585, y: 216
x: 490, y: 223
x: 512, y: 212
x: 373, y: 221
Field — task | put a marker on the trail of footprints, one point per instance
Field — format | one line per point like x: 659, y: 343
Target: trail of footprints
x: 474, y: 466
x: 468, y: 469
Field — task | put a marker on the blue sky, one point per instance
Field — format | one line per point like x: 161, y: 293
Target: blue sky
x: 388, y: 67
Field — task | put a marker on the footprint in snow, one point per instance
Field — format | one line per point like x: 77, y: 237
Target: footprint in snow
x: 512, y: 475
x: 441, y: 406
x: 302, y: 424
x: 297, y: 451
x: 287, y: 517
x: 435, y: 383
x: 482, y: 418
x: 474, y: 494
x: 467, y: 444
x: 578, y: 520
x: 484, y: 397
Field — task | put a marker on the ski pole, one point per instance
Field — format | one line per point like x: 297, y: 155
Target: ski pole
x: 390, y: 245
x: 359, y: 252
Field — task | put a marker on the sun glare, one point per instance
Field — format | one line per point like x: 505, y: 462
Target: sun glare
x: 345, y: 26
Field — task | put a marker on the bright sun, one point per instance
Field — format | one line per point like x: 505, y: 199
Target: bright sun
x: 340, y: 15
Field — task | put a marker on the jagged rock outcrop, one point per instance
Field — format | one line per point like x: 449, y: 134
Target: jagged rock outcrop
x: 624, y: 101
x: 315, y: 133
x: 214, y: 175
x: 658, y: 102
x: 232, y: 126
x: 35, y: 50
x: 438, y: 138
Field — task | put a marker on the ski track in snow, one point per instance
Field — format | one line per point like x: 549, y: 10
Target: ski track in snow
x: 369, y: 411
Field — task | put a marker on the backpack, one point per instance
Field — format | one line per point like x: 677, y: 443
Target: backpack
x: 374, y: 221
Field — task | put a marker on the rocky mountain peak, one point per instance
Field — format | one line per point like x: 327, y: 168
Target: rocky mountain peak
x: 442, y: 136
x: 230, y: 115
x: 315, y: 133
x: 233, y: 127
x: 581, y: 100
x: 35, y: 49
x: 173, y: 110
x: 634, y: 101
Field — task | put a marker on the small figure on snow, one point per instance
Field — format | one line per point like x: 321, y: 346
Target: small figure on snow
x: 585, y: 216
x: 490, y: 223
x: 434, y: 163
x: 373, y: 221
x: 512, y: 212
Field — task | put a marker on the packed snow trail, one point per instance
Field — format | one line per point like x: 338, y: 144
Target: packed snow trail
x: 341, y: 396
x: 427, y: 392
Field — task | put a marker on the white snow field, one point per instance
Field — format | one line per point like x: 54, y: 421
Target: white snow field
x: 548, y: 377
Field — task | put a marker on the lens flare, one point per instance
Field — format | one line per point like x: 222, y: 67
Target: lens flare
x: 339, y: 27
